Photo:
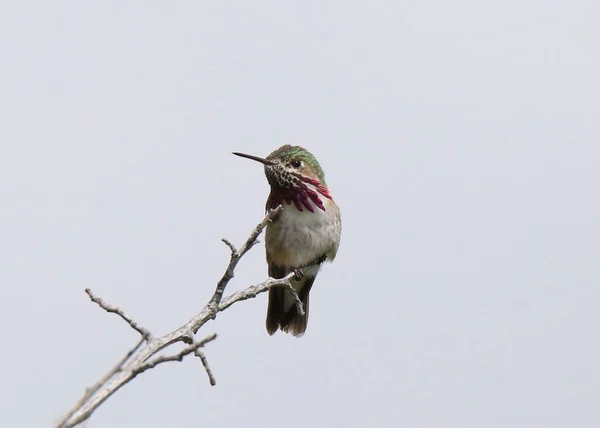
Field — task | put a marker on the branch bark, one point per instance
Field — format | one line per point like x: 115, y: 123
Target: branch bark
x: 147, y: 352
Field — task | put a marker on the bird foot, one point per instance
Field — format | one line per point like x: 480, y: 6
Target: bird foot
x: 298, y: 274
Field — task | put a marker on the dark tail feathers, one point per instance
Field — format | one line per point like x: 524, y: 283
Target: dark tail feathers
x: 290, y: 321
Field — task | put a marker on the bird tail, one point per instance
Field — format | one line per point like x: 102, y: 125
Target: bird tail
x: 282, y: 315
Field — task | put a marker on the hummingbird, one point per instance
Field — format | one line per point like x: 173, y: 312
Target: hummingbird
x: 303, y: 235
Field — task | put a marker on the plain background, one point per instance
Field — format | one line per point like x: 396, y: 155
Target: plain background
x: 460, y: 139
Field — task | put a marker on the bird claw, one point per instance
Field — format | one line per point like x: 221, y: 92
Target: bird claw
x: 298, y: 274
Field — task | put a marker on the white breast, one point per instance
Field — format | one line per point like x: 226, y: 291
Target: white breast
x: 299, y: 237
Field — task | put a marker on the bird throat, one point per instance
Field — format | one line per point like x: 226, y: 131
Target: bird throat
x: 295, y: 188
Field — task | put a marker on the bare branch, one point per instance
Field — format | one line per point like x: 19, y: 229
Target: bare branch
x: 235, y: 258
x: 211, y: 377
x: 230, y: 245
x: 91, y: 390
x: 176, y: 357
x: 254, y: 290
x: 116, y: 310
x: 119, y: 366
x: 142, y: 358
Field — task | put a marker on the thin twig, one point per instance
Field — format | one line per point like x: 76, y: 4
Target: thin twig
x: 230, y: 245
x: 211, y: 378
x: 116, y: 310
x: 254, y: 290
x: 175, y: 357
x: 235, y: 258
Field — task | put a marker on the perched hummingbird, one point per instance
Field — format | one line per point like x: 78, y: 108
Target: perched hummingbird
x: 301, y: 236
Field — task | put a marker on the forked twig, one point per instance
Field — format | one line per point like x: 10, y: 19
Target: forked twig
x: 145, y: 355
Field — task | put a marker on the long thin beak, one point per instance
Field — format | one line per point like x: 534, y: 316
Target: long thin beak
x: 255, y: 158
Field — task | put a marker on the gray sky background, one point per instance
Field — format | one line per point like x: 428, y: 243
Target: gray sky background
x: 460, y: 139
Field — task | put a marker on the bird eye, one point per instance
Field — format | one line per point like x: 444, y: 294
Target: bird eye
x: 296, y: 163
